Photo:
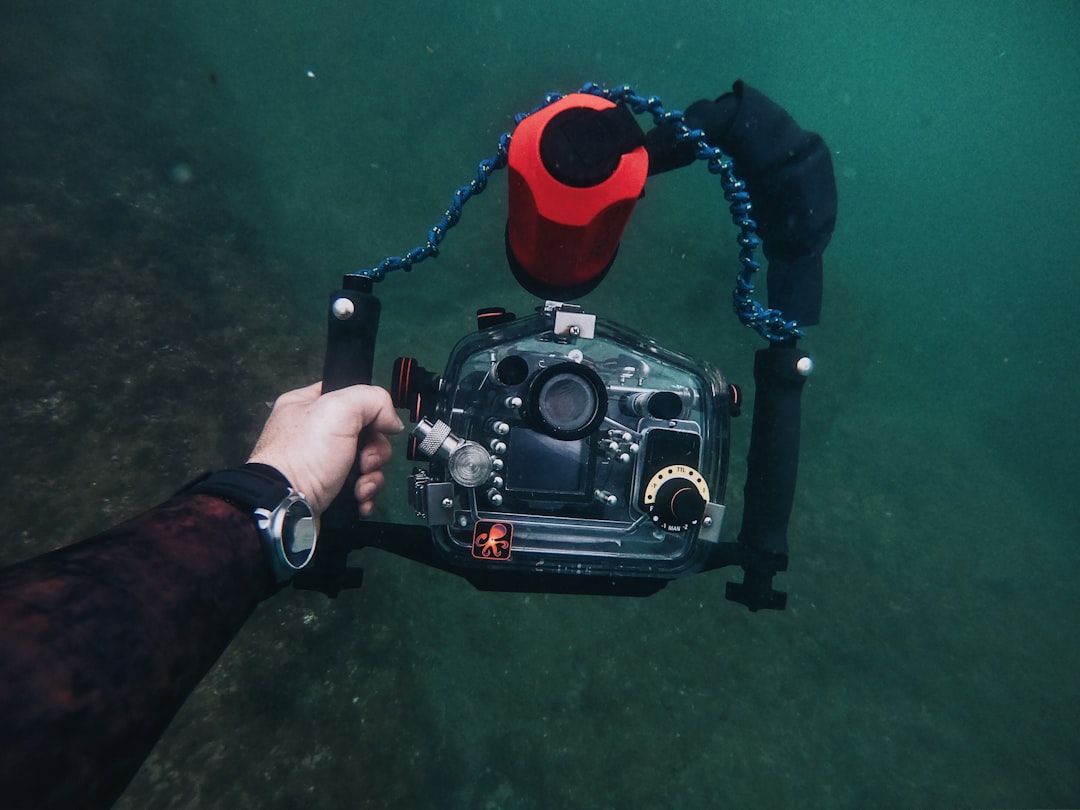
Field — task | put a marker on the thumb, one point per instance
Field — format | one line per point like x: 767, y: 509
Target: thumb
x: 365, y: 406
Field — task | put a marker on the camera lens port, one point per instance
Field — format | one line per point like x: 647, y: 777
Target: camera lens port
x: 567, y: 401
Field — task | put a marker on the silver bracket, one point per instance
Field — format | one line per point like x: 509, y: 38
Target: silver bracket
x: 712, y: 522
x: 433, y: 501
x: 571, y: 321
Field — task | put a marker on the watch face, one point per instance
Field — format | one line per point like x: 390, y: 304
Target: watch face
x: 298, y: 533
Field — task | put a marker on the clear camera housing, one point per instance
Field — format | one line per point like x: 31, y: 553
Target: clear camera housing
x: 563, y: 443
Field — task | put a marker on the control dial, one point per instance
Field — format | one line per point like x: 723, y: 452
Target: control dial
x: 675, y: 498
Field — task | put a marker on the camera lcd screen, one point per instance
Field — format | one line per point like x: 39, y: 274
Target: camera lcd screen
x: 541, y: 464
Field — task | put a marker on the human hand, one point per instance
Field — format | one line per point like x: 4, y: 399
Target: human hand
x: 313, y: 439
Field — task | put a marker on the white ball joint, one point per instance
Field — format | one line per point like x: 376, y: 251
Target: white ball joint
x: 804, y: 365
x: 342, y: 308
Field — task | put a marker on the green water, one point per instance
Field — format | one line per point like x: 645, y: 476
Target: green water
x: 183, y: 184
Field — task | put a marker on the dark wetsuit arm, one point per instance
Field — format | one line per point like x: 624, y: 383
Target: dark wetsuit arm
x: 102, y: 642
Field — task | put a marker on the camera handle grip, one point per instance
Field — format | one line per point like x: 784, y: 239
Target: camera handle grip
x: 352, y: 324
x: 771, y: 471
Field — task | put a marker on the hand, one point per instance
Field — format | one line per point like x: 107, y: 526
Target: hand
x: 313, y: 439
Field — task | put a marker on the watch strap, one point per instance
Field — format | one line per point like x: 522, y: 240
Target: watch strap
x: 288, y: 538
x: 253, y: 486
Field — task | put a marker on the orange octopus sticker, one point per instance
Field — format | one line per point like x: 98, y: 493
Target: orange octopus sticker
x: 492, y: 541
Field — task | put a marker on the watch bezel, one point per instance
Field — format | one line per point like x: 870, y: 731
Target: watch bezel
x: 279, y: 529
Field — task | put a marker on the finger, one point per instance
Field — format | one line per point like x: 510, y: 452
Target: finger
x: 367, y: 406
x: 367, y: 489
x: 375, y: 452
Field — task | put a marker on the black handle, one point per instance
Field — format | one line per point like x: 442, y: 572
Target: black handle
x: 772, y: 468
x: 352, y: 324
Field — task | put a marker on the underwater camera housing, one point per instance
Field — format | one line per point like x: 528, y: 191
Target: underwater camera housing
x: 567, y: 454
x: 561, y: 443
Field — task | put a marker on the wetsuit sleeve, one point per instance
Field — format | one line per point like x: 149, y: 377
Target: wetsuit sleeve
x: 102, y: 642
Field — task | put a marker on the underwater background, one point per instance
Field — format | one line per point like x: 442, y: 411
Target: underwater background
x: 182, y: 185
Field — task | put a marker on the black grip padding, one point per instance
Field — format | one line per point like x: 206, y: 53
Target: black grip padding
x: 350, y: 342
x: 350, y: 360
x: 773, y: 460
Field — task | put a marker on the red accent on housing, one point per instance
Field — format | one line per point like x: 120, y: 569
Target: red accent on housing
x: 492, y: 540
x: 402, y: 372
x: 560, y: 235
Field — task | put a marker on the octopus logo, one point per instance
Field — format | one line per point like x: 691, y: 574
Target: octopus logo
x: 492, y: 541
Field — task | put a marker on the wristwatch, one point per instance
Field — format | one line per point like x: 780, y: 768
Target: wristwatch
x: 285, y: 520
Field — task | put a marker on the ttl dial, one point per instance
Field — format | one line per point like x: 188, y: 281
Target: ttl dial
x: 675, y: 498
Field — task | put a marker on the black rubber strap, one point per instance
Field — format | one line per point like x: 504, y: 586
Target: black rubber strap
x: 252, y: 486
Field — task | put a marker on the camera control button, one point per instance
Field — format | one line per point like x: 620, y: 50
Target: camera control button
x: 468, y: 463
x: 432, y: 436
x: 676, y: 497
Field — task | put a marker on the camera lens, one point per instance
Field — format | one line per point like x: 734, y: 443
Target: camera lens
x: 568, y: 401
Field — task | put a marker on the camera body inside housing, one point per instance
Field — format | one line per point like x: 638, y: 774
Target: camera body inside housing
x: 561, y: 443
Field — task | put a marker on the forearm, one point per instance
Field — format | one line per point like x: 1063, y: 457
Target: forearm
x: 103, y: 641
